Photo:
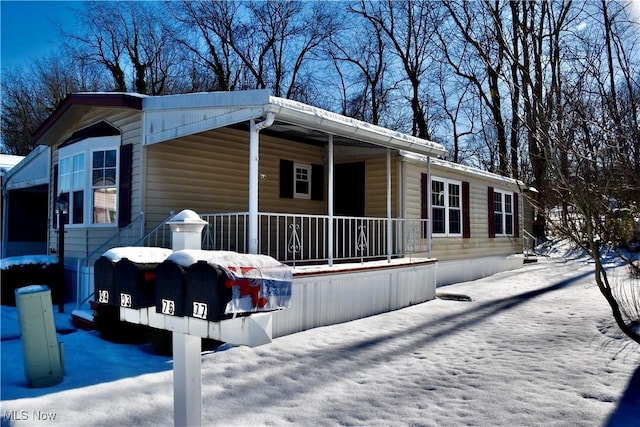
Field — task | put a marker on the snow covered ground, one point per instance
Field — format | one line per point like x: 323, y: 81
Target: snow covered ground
x: 536, y: 346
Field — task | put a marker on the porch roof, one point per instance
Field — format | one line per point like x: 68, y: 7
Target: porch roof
x: 173, y: 116
x: 199, y: 112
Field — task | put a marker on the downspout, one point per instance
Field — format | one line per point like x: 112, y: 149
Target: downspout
x: 254, y: 129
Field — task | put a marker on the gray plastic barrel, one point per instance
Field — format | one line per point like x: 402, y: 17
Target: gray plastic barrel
x: 43, y: 364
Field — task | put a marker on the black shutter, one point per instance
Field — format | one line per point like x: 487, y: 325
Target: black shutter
x: 124, y: 190
x: 286, y: 179
x: 492, y: 221
x: 424, y: 201
x: 516, y: 215
x: 466, y: 217
x: 317, y: 182
x: 55, y: 196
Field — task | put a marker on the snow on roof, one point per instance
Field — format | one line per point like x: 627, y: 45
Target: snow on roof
x: 356, y: 127
x: 7, y: 162
x: 138, y: 254
x: 461, y: 168
x: 6, y: 263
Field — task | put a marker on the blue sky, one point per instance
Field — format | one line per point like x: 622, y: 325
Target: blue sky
x: 28, y: 29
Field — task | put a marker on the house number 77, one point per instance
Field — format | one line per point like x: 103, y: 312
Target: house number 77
x: 199, y: 310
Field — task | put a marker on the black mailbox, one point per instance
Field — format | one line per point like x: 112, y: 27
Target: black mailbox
x: 104, y: 282
x: 206, y: 295
x: 170, y: 283
x: 135, y: 283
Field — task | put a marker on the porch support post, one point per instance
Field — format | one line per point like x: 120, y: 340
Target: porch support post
x: 254, y: 150
x: 330, y: 202
x: 428, y: 196
x: 389, y: 225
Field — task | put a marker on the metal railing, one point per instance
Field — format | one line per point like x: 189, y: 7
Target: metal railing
x: 292, y: 238
x: 528, y: 244
x: 127, y: 236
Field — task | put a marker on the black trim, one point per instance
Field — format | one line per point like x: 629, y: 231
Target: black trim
x: 516, y: 215
x: 425, y: 192
x: 317, y: 182
x: 99, y: 129
x: 491, y: 216
x: 286, y: 179
x: 124, y: 190
x: 466, y: 217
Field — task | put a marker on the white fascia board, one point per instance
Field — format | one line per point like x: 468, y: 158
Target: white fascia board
x: 468, y: 170
x: 33, y: 170
x: 325, y: 121
x: 166, y: 125
x: 188, y: 101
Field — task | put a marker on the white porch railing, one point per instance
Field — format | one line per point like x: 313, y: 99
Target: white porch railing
x: 292, y: 238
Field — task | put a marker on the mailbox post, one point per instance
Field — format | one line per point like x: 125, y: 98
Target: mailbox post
x: 186, y: 233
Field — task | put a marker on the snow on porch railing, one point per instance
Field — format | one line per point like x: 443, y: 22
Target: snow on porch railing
x: 292, y: 238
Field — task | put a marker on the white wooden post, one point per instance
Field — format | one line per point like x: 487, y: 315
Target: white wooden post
x: 186, y: 233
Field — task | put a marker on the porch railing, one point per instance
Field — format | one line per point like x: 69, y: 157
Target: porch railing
x: 293, y: 238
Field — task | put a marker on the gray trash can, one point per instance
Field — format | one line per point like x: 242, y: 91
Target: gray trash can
x: 43, y: 362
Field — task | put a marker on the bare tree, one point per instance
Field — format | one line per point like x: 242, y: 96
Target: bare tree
x: 29, y: 95
x: 591, y: 159
x: 409, y: 30
x: 365, y: 54
x: 126, y: 35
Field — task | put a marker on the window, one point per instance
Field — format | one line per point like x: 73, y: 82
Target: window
x: 103, y: 186
x: 88, y: 173
x: 302, y: 181
x: 446, y: 207
x: 71, y: 182
x: 503, y: 213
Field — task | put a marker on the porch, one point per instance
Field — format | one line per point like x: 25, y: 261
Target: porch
x: 297, y: 240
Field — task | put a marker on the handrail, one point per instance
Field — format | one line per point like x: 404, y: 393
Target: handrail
x: 528, y: 244
x: 137, y: 225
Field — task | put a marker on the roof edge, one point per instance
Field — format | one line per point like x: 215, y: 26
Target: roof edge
x: 89, y: 99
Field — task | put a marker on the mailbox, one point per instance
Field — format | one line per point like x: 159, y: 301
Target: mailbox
x: 135, y: 283
x: 170, y: 283
x: 206, y: 293
x: 104, y: 282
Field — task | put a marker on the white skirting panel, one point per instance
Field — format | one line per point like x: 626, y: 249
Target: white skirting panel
x: 464, y: 270
x: 336, y: 297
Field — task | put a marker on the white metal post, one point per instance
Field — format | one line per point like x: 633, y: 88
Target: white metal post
x: 253, y: 187
x: 389, y: 229
x: 186, y: 233
x: 254, y: 157
x: 330, y: 202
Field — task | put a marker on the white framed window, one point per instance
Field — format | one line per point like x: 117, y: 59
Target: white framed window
x: 446, y: 207
x: 88, y: 174
x: 503, y: 212
x: 301, y: 181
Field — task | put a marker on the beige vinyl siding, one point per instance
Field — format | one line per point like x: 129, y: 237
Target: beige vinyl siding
x: 80, y: 241
x: 479, y: 245
x: 209, y: 173
x: 376, y: 187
